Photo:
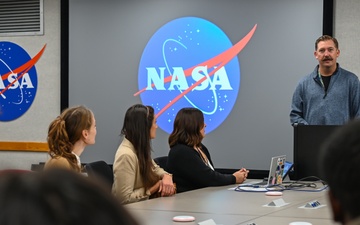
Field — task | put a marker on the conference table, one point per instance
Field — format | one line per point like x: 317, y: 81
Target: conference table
x: 226, y: 206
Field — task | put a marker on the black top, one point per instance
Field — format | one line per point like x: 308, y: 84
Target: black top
x: 326, y: 81
x: 190, y: 172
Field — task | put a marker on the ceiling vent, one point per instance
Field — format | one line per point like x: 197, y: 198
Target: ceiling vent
x: 21, y: 17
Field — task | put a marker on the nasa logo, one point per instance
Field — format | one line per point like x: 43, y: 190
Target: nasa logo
x: 190, y: 62
x: 18, y: 83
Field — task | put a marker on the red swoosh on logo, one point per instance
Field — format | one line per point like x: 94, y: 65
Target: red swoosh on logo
x: 22, y: 69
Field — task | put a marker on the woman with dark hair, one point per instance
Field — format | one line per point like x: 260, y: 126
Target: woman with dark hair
x: 136, y: 176
x: 68, y: 135
x: 185, y: 146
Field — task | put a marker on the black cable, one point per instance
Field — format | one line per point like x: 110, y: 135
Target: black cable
x: 303, y: 183
x: 298, y: 185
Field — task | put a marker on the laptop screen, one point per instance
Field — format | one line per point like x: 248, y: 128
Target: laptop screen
x: 276, y: 170
x: 287, y: 168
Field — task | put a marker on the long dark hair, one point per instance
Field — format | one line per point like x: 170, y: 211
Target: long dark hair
x: 187, y: 126
x: 67, y: 129
x: 136, y: 128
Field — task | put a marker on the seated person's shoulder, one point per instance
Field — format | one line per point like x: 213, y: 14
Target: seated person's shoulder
x: 126, y: 157
x: 126, y: 148
x: 126, y: 152
x: 179, y: 147
x: 57, y: 162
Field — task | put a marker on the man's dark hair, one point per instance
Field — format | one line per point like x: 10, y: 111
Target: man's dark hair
x: 326, y: 38
x: 339, y: 166
x: 59, y: 197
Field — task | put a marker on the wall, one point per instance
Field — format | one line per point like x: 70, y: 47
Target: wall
x: 32, y: 126
x: 106, y: 46
x: 347, y: 32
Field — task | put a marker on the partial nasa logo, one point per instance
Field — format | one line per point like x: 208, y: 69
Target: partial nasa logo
x: 19, y: 80
x: 190, y: 62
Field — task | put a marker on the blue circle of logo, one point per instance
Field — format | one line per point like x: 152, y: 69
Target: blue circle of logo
x: 183, y: 65
x: 18, y: 83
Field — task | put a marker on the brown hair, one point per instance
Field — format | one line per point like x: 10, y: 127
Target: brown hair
x: 136, y: 128
x: 67, y: 129
x: 187, y: 126
x: 326, y: 38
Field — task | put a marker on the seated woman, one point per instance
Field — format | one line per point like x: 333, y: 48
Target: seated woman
x: 136, y: 175
x: 189, y: 160
x: 68, y: 136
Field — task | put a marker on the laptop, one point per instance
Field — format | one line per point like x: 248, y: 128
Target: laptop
x: 276, y: 173
x: 287, y: 169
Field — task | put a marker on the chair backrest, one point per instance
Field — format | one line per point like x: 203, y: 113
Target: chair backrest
x: 162, y: 161
x: 101, y: 170
x: 38, y: 167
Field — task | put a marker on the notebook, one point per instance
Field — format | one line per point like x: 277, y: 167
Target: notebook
x: 276, y: 172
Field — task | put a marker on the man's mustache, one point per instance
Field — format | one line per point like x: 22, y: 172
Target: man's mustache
x: 327, y: 58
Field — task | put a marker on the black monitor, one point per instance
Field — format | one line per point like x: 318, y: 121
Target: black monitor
x: 307, y: 143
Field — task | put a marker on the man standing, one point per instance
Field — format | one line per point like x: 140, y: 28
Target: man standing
x: 330, y: 95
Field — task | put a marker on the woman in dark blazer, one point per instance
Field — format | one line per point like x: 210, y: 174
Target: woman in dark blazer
x: 189, y: 160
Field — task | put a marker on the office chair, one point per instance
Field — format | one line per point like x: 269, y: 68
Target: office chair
x: 38, y: 167
x: 162, y: 161
x: 100, y: 170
